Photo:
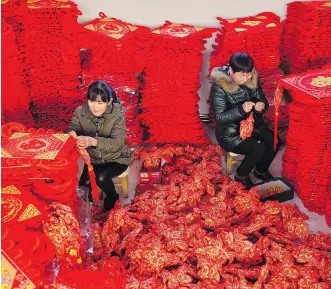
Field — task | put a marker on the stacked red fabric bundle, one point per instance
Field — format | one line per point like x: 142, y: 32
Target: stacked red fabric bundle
x: 115, y: 56
x: 23, y: 244
x: 306, y: 161
x: 43, y: 161
x: 259, y: 36
x: 15, y: 97
x: 306, y: 42
x: 54, y: 63
x: 172, y: 80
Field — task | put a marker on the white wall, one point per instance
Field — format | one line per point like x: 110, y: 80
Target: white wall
x: 153, y: 13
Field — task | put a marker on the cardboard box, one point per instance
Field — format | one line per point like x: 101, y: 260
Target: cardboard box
x: 283, y: 191
x: 150, y: 177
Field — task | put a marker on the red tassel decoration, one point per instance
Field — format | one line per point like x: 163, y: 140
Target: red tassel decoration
x: 278, y: 100
x: 87, y: 161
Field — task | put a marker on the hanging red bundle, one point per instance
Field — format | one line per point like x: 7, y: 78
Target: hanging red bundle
x: 87, y: 160
x: 247, y: 126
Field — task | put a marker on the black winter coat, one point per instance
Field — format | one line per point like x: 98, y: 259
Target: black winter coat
x: 228, y: 98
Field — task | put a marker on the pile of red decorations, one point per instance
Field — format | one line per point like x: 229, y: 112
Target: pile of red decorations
x: 306, y: 42
x: 306, y: 162
x: 15, y: 100
x: 15, y: 96
x: 21, y: 240
x: 43, y: 161
x: 260, y: 37
x: 39, y: 207
x: 114, y: 55
x: 200, y: 229
x: 172, y: 80
x: 53, y: 64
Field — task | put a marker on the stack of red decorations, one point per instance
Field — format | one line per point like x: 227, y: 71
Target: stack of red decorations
x: 15, y: 100
x: 43, y: 161
x: 54, y: 63
x: 200, y: 229
x: 22, y: 243
x: 15, y: 97
x: 172, y: 80
x: 259, y: 36
x: 114, y: 55
x: 306, y: 41
x: 306, y: 162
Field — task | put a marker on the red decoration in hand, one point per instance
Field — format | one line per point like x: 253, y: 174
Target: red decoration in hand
x: 87, y: 161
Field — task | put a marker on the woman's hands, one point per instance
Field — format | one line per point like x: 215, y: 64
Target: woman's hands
x: 259, y: 106
x: 73, y: 134
x: 84, y: 142
x: 248, y: 106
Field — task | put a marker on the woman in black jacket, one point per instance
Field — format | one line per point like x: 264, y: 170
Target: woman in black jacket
x: 236, y: 92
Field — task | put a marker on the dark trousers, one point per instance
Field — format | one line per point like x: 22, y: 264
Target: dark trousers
x: 259, y: 152
x: 104, y: 174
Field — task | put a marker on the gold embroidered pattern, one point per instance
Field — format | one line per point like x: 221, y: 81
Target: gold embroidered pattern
x: 10, y: 190
x: 251, y: 23
x: 261, y: 17
x: 48, y: 4
x: 47, y: 156
x: 321, y: 81
x: 177, y: 30
x: 132, y: 28
x: 19, y: 134
x: 110, y: 27
x: 240, y: 29
x: 271, y: 25
x: 30, y: 212
x: 61, y: 137
x: 5, y: 154
x: 232, y: 20
x: 327, y: 4
x: 8, y: 273
x: 10, y: 207
x: 90, y: 27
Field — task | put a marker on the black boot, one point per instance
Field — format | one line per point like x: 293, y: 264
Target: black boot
x: 246, y: 181
x: 266, y: 176
x: 110, y: 201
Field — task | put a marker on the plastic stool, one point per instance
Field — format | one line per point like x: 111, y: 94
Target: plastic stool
x: 230, y: 161
x: 124, y: 183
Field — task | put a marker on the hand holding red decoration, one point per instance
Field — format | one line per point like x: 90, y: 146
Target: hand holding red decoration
x: 84, y: 142
x: 259, y: 106
x: 73, y: 134
x: 248, y: 106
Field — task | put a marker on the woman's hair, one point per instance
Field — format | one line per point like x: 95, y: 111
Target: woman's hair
x: 101, y: 90
x: 241, y: 62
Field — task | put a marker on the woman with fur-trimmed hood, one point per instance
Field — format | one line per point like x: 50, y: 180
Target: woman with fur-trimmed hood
x: 236, y: 92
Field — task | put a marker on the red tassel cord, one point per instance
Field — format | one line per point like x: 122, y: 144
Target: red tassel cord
x: 87, y: 161
x: 278, y: 100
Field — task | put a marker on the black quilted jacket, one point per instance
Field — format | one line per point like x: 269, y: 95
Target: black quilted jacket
x: 228, y: 98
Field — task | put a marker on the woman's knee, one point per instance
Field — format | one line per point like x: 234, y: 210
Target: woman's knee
x: 260, y: 147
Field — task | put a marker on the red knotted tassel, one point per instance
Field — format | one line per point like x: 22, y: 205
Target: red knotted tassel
x: 278, y: 100
x: 94, y: 186
x: 247, y: 127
